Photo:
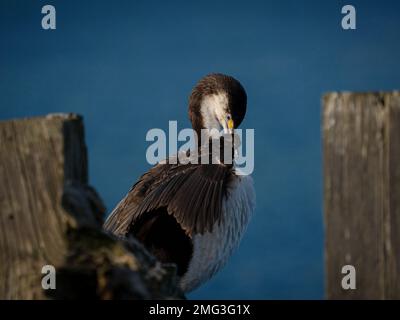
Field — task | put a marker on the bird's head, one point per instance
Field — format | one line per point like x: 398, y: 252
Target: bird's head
x: 217, y: 102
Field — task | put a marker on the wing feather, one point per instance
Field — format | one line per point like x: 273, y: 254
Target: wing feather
x: 192, y: 193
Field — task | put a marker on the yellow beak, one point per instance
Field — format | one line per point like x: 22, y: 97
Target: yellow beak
x: 230, y: 124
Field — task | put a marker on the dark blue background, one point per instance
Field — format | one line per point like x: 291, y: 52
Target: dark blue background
x: 128, y: 66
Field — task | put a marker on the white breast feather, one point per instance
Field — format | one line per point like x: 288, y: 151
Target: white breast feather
x: 212, y: 250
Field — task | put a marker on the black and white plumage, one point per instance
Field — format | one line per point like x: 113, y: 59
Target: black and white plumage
x: 193, y: 215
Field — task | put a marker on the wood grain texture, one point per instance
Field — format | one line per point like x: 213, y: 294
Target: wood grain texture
x: 38, y: 156
x: 361, y: 150
x: 50, y: 215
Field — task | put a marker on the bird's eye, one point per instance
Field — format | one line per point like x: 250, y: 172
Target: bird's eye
x: 228, y: 117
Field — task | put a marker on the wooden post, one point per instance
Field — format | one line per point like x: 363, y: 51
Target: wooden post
x: 50, y: 216
x: 361, y: 150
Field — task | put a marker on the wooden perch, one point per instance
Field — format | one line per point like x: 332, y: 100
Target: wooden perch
x: 361, y: 141
x: 50, y: 216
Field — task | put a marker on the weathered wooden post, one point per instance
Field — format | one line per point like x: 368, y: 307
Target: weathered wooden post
x: 50, y: 216
x: 361, y: 151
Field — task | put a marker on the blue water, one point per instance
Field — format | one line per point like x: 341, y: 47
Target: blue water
x: 128, y: 66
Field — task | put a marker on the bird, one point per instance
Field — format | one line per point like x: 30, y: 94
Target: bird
x: 194, y: 214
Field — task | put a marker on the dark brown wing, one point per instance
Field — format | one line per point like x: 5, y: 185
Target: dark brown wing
x: 191, y: 193
x: 120, y: 219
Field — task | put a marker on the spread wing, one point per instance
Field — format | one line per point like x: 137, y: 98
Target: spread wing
x: 191, y: 193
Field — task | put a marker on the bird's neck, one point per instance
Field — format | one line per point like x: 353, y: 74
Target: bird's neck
x: 216, y: 149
